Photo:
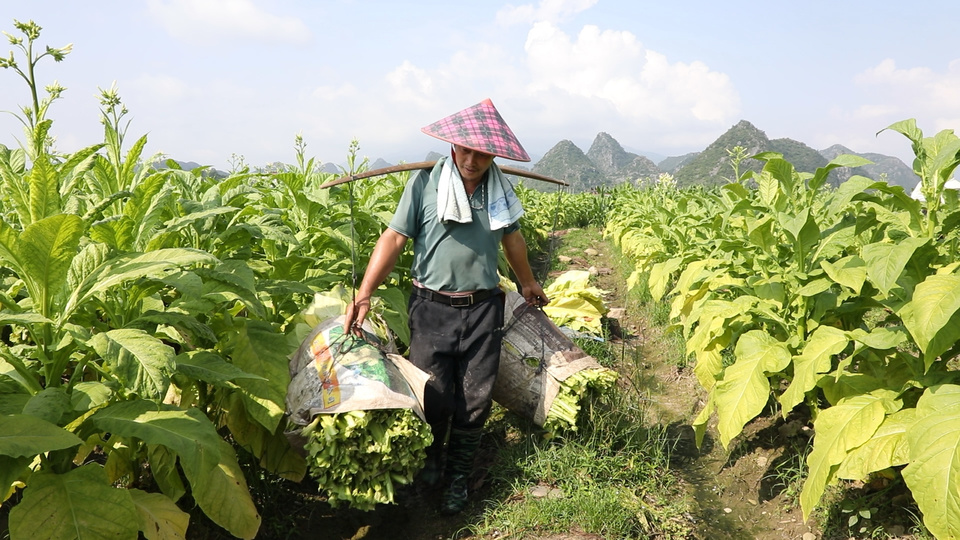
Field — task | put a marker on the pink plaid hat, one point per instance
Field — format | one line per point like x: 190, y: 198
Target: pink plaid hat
x: 479, y: 128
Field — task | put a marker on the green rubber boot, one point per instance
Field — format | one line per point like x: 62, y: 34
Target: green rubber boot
x: 460, y: 453
x: 429, y: 477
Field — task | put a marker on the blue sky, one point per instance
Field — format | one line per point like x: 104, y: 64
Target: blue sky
x: 209, y: 80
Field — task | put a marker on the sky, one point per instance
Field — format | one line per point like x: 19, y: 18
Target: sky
x: 228, y: 82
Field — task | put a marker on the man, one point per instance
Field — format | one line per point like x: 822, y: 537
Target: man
x: 458, y: 214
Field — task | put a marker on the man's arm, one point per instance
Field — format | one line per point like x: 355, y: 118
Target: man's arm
x: 515, y: 248
x: 382, y: 261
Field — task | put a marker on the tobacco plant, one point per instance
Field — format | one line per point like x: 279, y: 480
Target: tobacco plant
x: 843, y: 301
x: 146, y: 317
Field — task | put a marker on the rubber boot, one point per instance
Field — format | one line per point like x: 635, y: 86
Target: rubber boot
x: 460, y: 453
x: 432, y: 472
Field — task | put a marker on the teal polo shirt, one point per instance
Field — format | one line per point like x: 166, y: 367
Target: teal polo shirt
x: 448, y: 257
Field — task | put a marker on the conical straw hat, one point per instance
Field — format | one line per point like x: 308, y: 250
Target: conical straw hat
x: 479, y: 128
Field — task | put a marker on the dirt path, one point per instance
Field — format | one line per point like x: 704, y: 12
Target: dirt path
x: 732, y: 495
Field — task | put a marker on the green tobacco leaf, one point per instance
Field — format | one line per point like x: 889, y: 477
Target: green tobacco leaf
x: 744, y: 389
x: 210, y: 367
x: 257, y: 348
x: 839, y: 430
x: 90, y: 257
x: 935, y: 460
x: 935, y: 302
x: 140, y: 361
x: 849, y: 271
x: 848, y: 385
x: 152, y: 264
x: 116, y: 232
x: 163, y: 466
x: 660, y: 274
x: 816, y: 358
x: 45, y: 249
x: 710, y: 362
x: 189, y: 432
x: 887, y: 448
x: 187, y: 220
x: 221, y: 492
x: 231, y: 281
x: 886, y: 261
x: 843, y: 160
x: 396, y: 313
x: 160, y: 517
x: 87, y: 395
x: 794, y: 224
x: 10, y: 471
x: 25, y: 435
x: 50, y: 404
x: 80, y: 504
x: 272, y: 449
x: 44, y: 190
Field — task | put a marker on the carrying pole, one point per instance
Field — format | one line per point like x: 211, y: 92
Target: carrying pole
x: 429, y: 165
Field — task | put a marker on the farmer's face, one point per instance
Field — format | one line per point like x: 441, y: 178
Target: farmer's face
x: 471, y: 164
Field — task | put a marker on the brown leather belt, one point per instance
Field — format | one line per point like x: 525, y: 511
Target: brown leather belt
x: 460, y: 300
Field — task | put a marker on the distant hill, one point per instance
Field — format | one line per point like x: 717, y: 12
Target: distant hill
x: 894, y: 171
x: 672, y: 164
x: 616, y: 163
x: 565, y: 161
x: 712, y: 166
x: 607, y: 163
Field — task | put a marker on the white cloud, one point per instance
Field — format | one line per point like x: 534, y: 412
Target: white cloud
x: 209, y: 21
x: 410, y: 83
x: 931, y: 97
x: 546, y: 11
x: 332, y: 93
x: 614, y: 67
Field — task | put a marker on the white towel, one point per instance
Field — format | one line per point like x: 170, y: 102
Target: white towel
x: 503, y: 206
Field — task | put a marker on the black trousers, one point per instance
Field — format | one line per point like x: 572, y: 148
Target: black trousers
x: 460, y: 348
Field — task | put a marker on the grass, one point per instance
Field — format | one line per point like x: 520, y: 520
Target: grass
x: 612, y: 476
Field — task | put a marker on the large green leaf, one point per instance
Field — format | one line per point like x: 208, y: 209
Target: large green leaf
x: 10, y: 470
x: 258, y: 348
x: 26, y: 435
x: 272, y: 449
x: 210, y: 367
x: 80, y: 504
x: 886, y: 448
x: 886, y: 261
x: 50, y: 404
x: 44, y: 190
x: 189, y: 432
x: 151, y: 264
x: 160, y: 518
x: 45, y: 250
x: 935, y: 303
x: 163, y: 466
x: 744, y: 389
x: 221, y: 492
x: 816, y: 358
x: 843, y: 160
x: 933, y: 474
x: 140, y: 361
x: 839, y: 430
x: 849, y: 271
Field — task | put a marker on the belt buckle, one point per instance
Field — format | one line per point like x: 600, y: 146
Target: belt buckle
x: 461, y: 301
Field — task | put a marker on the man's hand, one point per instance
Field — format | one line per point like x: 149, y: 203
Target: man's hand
x: 354, y: 316
x: 534, y: 295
